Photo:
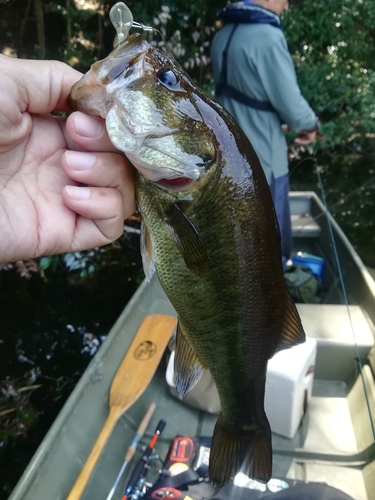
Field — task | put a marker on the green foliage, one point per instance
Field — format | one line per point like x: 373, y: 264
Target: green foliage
x: 332, y: 47
x: 332, y: 44
x: 82, y: 39
x: 186, y: 29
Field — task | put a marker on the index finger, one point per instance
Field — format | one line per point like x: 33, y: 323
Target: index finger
x: 89, y: 132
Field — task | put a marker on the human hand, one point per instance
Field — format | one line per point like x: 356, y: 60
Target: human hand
x: 305, y: 138
x: 45, y: 159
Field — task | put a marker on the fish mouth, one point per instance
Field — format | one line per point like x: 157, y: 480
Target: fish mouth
x: 176, y: 184
x: 176, y: 172
x: 158, y: 157
x: 162, y: 160
x: 171, y: 179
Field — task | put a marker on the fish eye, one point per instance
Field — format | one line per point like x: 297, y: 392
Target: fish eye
x: 167, y: 77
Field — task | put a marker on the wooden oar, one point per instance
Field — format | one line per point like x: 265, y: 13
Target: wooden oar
x: 131, y: 380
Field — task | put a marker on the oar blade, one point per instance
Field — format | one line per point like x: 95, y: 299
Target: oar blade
x: 141, y: 360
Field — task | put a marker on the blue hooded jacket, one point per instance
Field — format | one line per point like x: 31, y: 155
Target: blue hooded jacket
x: 259, y: 66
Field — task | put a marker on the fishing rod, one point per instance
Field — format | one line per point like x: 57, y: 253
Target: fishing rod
x: 139, y: 472
x: 340, y: 201
x: 130, y: 381
x: 346, y: 301
x: 312, y: 158
x: 130, y: 452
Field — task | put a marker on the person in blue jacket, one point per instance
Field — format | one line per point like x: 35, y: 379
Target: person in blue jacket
x: 255, y: 81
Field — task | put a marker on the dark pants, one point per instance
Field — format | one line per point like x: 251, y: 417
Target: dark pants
x: 279, y: 191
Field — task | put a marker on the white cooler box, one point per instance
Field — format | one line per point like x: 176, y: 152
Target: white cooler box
x: 290, y: 377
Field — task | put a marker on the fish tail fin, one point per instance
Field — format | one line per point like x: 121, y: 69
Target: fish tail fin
x: 237, y: 449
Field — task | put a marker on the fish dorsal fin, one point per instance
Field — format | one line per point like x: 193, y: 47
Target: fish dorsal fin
x: 293, y: 332
x: 146, y: 251
x: 187, y: 240
x: 187, y: 366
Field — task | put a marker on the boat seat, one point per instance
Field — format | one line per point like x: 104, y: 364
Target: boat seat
x: 349, y: 480
x: 330, y: 325
x: 304, y: 226
x: 336, y: 428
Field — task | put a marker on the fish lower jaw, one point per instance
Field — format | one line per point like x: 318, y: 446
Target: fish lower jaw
x: 173, y: 182
x: 176, y: 184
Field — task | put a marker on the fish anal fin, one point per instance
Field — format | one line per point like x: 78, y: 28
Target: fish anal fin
x: 293, y: 332
x: 146, y: 252
x: 236, y: 449
x: 188, y: 368
x: 187, y: 240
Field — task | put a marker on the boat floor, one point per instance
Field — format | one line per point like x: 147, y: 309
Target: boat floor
x: 323, y: 449
x: 311, y: 441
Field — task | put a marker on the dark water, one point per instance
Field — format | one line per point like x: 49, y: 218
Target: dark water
x: 53, y: 321
x: 50, y: 327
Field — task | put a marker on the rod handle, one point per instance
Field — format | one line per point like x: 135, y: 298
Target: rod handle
x: 141, y: 430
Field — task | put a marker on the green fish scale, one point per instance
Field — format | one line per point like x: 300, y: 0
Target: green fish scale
x: 221, y: 312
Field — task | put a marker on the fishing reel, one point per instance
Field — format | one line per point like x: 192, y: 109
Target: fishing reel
x: 143, y: 485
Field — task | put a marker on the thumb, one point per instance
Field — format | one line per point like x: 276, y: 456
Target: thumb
x: 42, y: 86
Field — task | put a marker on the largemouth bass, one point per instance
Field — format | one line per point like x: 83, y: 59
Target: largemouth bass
x: 210, y: 231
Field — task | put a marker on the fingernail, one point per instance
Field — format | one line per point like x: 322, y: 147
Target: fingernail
x: 87, y: 126
x: 80, y: 161
x: 78, y: 193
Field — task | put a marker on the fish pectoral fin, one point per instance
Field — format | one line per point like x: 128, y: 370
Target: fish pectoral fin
x: 187, y: 240
x: 293, y: 332
x: 146, y: 251
x: 188, y: 368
